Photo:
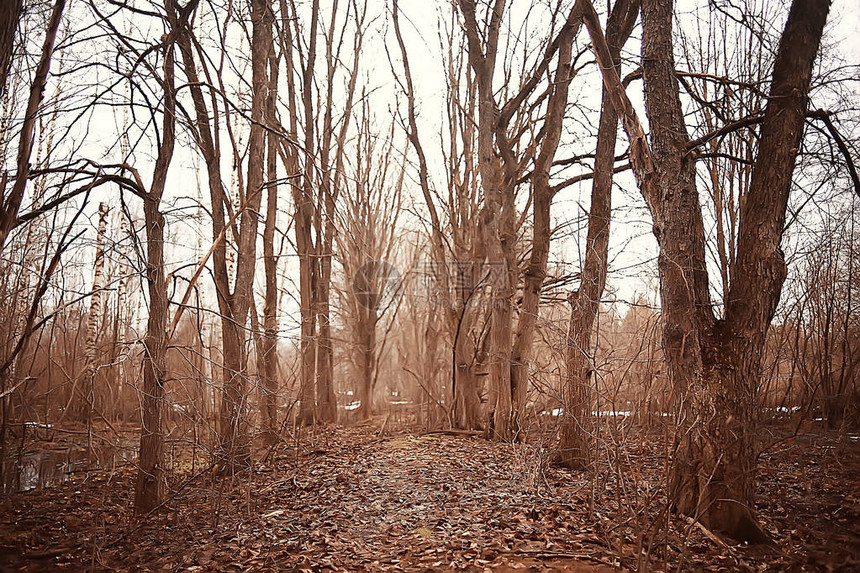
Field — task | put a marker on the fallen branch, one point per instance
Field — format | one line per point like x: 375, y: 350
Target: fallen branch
x: 708, y: 533
x: 454, y: 433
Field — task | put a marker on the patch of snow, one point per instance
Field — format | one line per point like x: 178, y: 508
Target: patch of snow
x: 783, y: 409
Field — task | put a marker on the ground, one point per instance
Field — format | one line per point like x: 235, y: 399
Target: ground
x: 358, y: 499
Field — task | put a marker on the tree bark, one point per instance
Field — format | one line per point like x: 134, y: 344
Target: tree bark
x: 10, y: 15
x: 269, y: 339
x: 234, y: 438
x: 467, y: 402
x: 151, y: 477
x: 95, y: 312
x: 715, y: 365
x: 326, y: 401
x: 714, y: 474
x: 574, y: 450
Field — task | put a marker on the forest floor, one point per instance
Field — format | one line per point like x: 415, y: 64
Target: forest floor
x: 356, y: 499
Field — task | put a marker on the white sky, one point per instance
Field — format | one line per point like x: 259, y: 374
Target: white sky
x: 633, y: 247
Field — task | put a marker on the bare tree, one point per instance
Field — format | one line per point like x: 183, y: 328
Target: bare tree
x: 714, y: 364
x: 11, y: 198
x: 234, y: 431
x: 322, y: 127
x: 456, y: 248
x: 235, y: 301
x: 10, y: 15
x: 269, y: 341
x: 151, y: 477
x: 502, y: 156
x: 367, y: 240
x: 160, y: 77
x: 574, y: 451
x: 95, y: 312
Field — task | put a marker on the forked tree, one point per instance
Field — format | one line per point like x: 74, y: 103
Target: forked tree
x: 151, y: 477
x: 574, y: 448
x: 509, y: 139
x: 318, y: 77
x: 715, y: 363
x: 234, y: 300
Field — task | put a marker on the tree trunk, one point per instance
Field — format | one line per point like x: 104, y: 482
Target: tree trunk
x: 10, y: 15
x: 308, y: 343
x: 574, y: 451
x: 234, y: 442
x: 714, y: 474
x: 305, y: 214
x: 715, y: 366
x: 326, y: 401
x: 95, y: 311
x: 574, y: 440
x: 269, y: 341
x: 467, y: 403
x: 151, y: 477
x: 367, y: 357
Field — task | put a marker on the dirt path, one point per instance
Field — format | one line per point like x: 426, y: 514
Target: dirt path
x: 432, y: 502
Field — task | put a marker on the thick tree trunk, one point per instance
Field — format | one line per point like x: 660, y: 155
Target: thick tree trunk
x: 497, y: 219
x: 367, y: 360
x: 715, y: 366
x: 575, y: 433
x: 467, y: 403
x: 714, y: 474
x: 510, y: 400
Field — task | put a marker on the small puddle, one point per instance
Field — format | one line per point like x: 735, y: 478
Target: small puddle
x: 50, y: 466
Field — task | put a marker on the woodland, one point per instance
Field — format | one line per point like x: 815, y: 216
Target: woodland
x: 463, y: 285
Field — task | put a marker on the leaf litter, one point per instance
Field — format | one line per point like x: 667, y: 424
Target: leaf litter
x: 347, y: 499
